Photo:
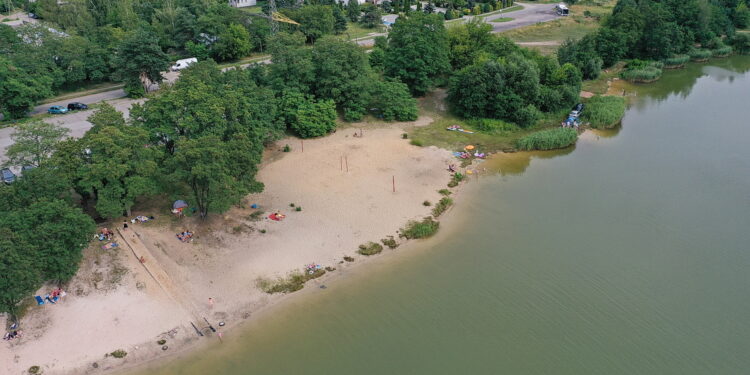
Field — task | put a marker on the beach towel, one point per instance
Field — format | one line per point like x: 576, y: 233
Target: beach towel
x: 275, y: 217
x: 110, y: 246
x: 39, y: 300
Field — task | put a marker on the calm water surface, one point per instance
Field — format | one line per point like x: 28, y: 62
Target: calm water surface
x: 626, y: 255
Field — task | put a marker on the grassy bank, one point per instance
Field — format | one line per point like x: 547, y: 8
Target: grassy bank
x: 549, y: 139
x: 603, y: 112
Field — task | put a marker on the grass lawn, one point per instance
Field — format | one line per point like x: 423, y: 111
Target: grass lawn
x: 600, y: 86
x: 75, y: 91
x: 434, y: 105
x: 354, y: 30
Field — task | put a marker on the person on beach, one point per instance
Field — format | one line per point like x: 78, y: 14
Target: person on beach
x: 124, y: 225
x: 210, y: 303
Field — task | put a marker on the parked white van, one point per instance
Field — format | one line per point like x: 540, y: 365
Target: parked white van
x: 184, y: 63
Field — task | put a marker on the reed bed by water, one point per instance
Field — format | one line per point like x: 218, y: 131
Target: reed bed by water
x: 700, y: 54
x: 677, y: 61
x: 420, y: 229
x: 642, y: 71
x: 604, y: 112
x: 723, y: 51
x: 548, y: 139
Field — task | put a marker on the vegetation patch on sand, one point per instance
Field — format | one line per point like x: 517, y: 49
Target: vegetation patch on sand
x: 604, y: 111
x: 390, y: 242
x: 293, y: 282
x: 548, y: 139
x: 442, y: 206
x: 370, y: 248
x: 420, y: 229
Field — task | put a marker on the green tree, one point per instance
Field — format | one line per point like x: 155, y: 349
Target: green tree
x: 315, y: 21
x: 140, y: 60
x: 197, y: 50
x: 118, y: 167
x: 292, y: 66
x: 371, y: 16
x: 216, y: 174
x: 339, y: 24
x: 18, y: 276
x: 19, y: 90
x: 393, y: 101
x: 353, y: 10
x: 306, y: 117
x: 34, y: 142
x: 233, y: 43
x: 55, y: 232
x: 343, y: 74
x: 417, y: 52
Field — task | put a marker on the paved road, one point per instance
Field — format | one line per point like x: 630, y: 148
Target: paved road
x: 530, y: 14
x: 88, y: 99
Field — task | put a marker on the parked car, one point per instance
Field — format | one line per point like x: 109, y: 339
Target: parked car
x: 184, y: 63
x: 76, y: 106
x: 8, y: 176
x: 57, y: 109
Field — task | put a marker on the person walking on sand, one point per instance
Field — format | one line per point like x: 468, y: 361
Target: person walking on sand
x: 210, y: 303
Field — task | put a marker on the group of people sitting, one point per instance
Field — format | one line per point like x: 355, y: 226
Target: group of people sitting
x: 105, y: 235
x: 185, y: 236
x: 52, y: 298
x: 12, y: 335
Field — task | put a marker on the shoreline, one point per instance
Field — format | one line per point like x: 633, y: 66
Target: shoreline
x: 426, y: 167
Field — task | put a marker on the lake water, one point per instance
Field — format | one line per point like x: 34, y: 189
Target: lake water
x: 629, y: 254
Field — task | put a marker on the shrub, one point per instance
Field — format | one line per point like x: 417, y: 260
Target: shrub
x: 262, y: 231
x: 604, y: 111
x: 292, y: 283
x: 420, y: 229
x: 348, y: 258
x: 287, y: 148
x: 307, y: 117
x: 35, y: 370
x: 161, y: 342
x: 392, y: 101
x: 445, y: 192
x: 676, y: 61
x: 416, y: 142
x: 119, y: 353
x: 426, y: 203
x: 741, y: 43
x: 370, y: 248
x: 722, y: 51
x: 700, y: 54
x: 390, y: 242
x: 298, y: 208
x: 404, y: 136
x: 548, y: 139
x: 255, y: 216
x: 441, y: 206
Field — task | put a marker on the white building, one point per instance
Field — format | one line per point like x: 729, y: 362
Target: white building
x: 242, y: 3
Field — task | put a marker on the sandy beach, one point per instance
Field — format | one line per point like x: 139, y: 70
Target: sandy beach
x: 344, y: 186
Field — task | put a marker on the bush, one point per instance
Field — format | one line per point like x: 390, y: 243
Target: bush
x: 35, y: 370
x: 348, y: 258
x: 298, y: 208
x: 526, y: 116
x: 370, y: 248
x: 420, y: 229
x: 741, y: 43
x: 391, y: 100
x: 642, y: 71
x: 444, y: 192
x: 604, y: 111
x: 119, y: 353
x: 700, y: 54
x: 676, y: 61
x: 722, y: 51
x: 161, y: 342
x: 426, y: 203
x: 548, y: 139
x: 307, y: 117
x: 415, y: 142
x: 390, y: 242
x: 292, y: 283
x: 287, y: 148
x: 441, y: 206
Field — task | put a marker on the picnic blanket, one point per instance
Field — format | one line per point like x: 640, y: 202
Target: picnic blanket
x: 110, y: 245
x: 276, y: 217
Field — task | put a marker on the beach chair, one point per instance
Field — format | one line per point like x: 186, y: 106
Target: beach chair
x: 39, y: 300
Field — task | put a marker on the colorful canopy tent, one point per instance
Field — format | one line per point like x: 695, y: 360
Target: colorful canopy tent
x: 179, y: 204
